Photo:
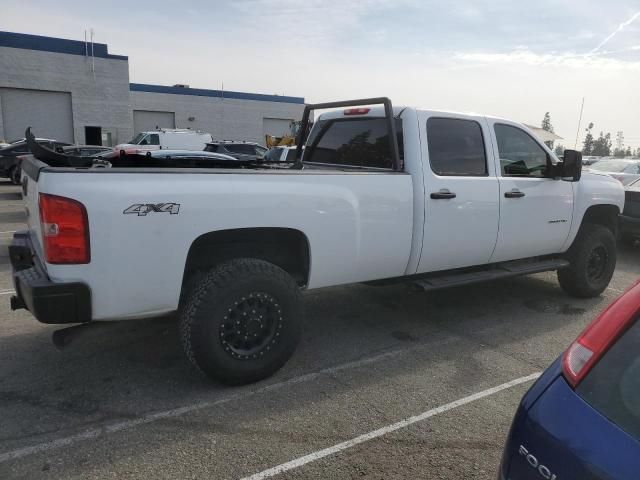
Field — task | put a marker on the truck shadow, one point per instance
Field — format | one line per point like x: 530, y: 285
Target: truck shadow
x: 135, y: 367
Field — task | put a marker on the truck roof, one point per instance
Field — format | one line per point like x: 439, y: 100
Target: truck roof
x: 378, y: 111
x: 177, y: 130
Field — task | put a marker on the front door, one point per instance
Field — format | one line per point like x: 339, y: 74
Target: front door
x: 461, y: 192
x: 535, y: 211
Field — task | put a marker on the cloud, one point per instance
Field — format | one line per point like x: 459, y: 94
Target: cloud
x: 568, y: 59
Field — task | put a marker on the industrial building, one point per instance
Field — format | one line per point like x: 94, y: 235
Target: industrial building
x: 78, y: 92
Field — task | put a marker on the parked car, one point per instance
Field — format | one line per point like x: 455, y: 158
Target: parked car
x: 280, y: 154
x: 240, y: 150
x: 10, y: 157
x: 590, y: 160
x: 630, y: 218
x: 626, y: 170
x: 172, y: 139
x: 581, y: 419
x: 84, y: 150
x: 379, y: 194
x: 133, y: 157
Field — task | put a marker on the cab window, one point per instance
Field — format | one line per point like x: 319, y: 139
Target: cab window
x: 456, y: 147
x: 520, y: 155
x: 362, y: 143
x: 153, y: 139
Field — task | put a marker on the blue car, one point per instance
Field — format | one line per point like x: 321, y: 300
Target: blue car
x: 581, y: 419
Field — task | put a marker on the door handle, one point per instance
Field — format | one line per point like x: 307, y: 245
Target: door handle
x: 443, y: 194
x: 515, y: 193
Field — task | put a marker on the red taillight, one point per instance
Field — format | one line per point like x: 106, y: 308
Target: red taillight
x: 65, y: 230
x: 600, y: 334
x: 357, y: 111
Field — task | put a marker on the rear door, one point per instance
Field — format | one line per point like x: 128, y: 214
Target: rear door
x: 461, y: 192
x: 535, y: 211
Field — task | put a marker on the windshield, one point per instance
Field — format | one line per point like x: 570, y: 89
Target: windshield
x: 617, y: 166
x: 136, y: 140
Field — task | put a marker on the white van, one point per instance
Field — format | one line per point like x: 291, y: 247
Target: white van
x: 169, y: 138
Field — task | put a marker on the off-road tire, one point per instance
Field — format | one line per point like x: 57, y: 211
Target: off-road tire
x: 592, y: 260
x: 226, y: 296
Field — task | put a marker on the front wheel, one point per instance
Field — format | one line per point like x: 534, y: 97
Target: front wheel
x: 592, y: 260
x: 241, y: 321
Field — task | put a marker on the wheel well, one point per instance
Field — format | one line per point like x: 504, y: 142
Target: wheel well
x: 605, y: 215
x: 284, y: 247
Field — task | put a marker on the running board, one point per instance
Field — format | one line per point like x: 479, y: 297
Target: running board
x: 504, y: 270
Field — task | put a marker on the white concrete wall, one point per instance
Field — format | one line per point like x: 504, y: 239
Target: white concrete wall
x: 103, y: 98
x: 225, y: 119
x: 98, y: 99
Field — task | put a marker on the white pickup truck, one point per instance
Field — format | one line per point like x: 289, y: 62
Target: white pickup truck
x: 380, y: 193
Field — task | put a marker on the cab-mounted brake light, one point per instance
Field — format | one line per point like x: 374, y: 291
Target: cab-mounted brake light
x: 357, y: 111
x: 65, y: 230
x: 600, y: 335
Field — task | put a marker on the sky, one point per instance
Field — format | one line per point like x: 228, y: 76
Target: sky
x: 509, y: 58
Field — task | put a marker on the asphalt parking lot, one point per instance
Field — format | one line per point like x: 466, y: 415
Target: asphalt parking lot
x: 388, y: 382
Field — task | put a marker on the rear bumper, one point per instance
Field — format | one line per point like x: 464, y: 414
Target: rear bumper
x: 48, y: 301
x: 630, y: 225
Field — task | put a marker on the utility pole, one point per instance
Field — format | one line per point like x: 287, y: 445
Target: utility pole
x: 575, y: 147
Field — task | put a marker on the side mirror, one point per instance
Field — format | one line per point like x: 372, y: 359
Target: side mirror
x: 572, y: 165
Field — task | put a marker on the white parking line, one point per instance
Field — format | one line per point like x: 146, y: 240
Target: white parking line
x: 312, y: 457
x: 8, y: 231
x: 7, y: 292
x: 155, y: 416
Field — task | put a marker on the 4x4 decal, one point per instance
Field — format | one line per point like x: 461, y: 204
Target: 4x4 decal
x: 141, y: 209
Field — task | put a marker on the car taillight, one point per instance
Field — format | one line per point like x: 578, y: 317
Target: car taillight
x: 357, y: 111
x: 600, y: 335
x: 65, y: 230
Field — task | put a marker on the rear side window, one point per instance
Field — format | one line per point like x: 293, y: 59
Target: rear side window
x: 613, y: 385
x: 241, y: 148
x: 456, y: 147
x: 362, y: 142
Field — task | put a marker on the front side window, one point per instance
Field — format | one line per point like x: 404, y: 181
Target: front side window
x: 154, y: 139
x: 520, y: 155
x: 362, y: 142
x: 456, y: 147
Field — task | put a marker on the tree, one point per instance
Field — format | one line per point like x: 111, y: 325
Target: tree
x: 628, y: 153
x: 587, y: 146
x: 559, y: 150
x: 546, y: 125
x: 602, y: 145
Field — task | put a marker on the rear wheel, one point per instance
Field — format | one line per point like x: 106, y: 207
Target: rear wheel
x: 14, y: 175
x: 241, y: 321
x: 592, y: 260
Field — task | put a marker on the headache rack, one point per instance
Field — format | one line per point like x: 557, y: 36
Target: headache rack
x: 388, y: 115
